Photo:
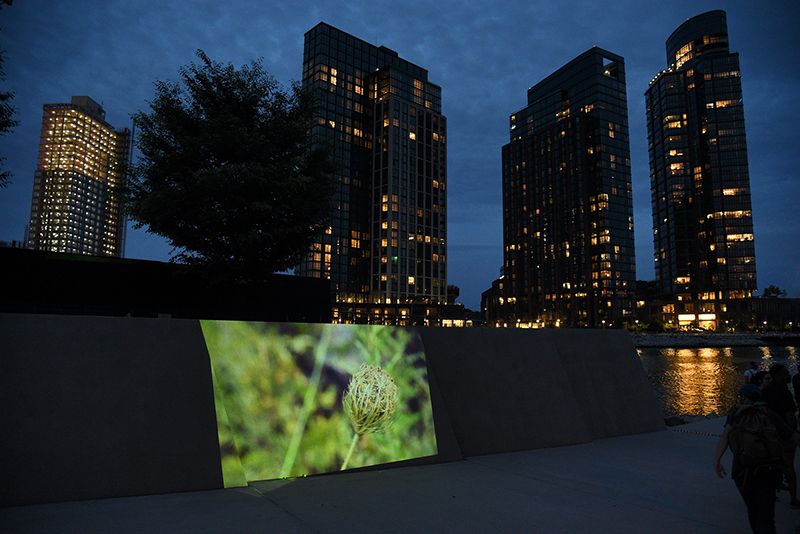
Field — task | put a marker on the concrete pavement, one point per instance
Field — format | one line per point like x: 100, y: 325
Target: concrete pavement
x: 654, y: 482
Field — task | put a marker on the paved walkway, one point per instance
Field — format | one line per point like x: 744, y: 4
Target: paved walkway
x: 656, y: 482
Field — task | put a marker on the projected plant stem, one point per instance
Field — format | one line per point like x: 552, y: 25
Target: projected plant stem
x: 349, y: 452
x: 308, y: 402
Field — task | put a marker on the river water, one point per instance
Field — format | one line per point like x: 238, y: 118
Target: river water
x: 704, y: 381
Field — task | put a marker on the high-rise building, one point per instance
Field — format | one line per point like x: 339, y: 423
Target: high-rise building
x: 82, y: 165
x: 567, y: 200
x: 699, y: 181
x: 385, y: 247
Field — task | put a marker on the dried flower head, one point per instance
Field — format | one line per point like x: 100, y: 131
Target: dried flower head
x: 370, y: 399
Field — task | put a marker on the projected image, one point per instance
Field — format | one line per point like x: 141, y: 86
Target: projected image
x: 301, y: 399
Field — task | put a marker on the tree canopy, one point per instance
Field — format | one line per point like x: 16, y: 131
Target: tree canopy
x: 773, y: 291
x: 7, y: 121
x: 227, y: 171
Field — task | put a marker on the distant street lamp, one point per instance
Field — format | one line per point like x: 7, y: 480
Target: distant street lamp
x: 604, y: 323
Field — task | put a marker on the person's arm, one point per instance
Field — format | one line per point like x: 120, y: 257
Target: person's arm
x: 722, y: 444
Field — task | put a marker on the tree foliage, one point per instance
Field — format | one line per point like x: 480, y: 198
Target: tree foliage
x: 227, y: 172
x: 773, y: 291
x: 7, y: 121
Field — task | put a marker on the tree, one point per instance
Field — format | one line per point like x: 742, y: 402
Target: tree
x: 228, y: 173
x: 7, y: 121
x: 773, y: 291
x: 453, y: 292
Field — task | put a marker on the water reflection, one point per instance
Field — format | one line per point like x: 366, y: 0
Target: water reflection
x: 702, y: 381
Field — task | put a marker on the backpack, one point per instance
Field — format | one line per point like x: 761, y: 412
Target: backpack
x: 754, y: 438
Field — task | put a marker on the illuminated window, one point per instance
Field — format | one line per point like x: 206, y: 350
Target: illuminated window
x: 740, y: 237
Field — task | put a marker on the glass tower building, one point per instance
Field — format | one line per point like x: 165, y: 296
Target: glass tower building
x: 82, y: 165
x: 385, y: 247
x: 700, y: 186
x: 567, y: 199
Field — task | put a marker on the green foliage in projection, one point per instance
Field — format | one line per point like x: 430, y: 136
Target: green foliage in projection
x: 281, y: 386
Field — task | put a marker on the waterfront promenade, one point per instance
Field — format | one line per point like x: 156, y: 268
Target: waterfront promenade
x: 654, y: 482
x: 714, y: 339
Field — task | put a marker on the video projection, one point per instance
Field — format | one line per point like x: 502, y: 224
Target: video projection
x: 301, y: 399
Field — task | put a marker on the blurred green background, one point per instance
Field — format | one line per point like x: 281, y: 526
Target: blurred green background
x: 278, y: 393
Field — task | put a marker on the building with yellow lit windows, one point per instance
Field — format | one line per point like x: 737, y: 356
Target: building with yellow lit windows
x: 384, y: 249
x: 82, y: 165
x: 568, y: 256
x: 700, y: 186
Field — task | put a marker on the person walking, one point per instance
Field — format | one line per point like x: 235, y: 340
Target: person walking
x: 754, y: 434
x: 780, y: 400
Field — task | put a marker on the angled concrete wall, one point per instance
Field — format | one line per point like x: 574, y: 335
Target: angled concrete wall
x: 507, y: 390
x: 503, y: 390
x: 608, y: 381
x: 96, y: 407
x: 102, y: 407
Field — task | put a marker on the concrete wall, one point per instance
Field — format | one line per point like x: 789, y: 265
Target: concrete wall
x: 506, y: 390
x: 103, y: 407
x: 100, y: 407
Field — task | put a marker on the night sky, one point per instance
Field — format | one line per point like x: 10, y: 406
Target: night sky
x: 484, y: 56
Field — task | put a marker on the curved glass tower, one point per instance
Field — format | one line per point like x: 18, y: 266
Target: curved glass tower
x: 699, y: 181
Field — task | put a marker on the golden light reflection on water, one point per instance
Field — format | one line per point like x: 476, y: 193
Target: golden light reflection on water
x: 699, y: 378
x: 702, y: 381
x: 792, y: 358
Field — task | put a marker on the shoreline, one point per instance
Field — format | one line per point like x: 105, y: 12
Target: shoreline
x: 710, y: 339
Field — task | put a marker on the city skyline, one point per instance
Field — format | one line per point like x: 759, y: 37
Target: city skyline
x: 471, y: 59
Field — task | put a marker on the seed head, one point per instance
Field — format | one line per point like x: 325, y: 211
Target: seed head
x: 370, y: 400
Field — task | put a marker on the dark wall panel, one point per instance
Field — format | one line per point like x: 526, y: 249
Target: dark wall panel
x: 507, y: 390
x: 503, y: 390
x: 103, y: 407
x: 608, y: 381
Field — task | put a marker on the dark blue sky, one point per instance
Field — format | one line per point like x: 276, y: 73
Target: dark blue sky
x: 485, y: 55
